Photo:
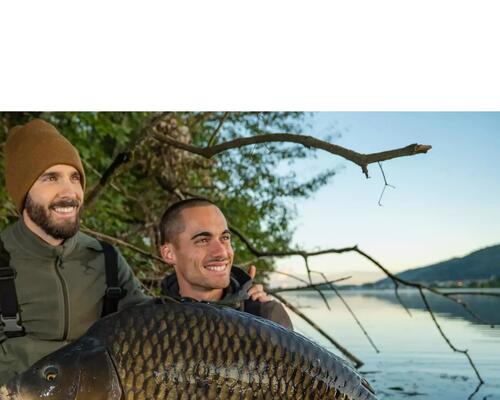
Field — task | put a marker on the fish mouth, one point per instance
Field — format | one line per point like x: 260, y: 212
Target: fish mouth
x: 6, y: 394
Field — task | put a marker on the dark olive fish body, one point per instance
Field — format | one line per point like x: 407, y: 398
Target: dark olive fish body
x: 188, y: 351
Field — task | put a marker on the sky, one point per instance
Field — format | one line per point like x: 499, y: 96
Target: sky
x: 445, y: 203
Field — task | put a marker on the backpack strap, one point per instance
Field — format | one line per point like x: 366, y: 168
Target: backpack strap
x: 114, y: 293
x: 10, y: 317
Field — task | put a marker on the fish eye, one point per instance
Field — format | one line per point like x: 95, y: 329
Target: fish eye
x: 50, y: 373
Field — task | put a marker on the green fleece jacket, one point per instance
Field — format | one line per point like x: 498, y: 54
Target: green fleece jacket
x: 60, y: 293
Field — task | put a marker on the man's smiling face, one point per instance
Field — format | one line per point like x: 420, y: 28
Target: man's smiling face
x: 54, y: 201
x: 202, y: 253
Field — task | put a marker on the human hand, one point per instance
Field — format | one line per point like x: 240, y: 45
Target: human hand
x: 256, y: 292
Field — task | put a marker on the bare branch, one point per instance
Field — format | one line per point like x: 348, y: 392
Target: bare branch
x: 357, y: 362
x: 363, y: 160
x: 477, y: 390
x: 123, y: 157
x: 396, y: 293
x: 337, y: 292
x: 395, y: 279
x: 217, y: 130
x: 123, y: 243
x: 466, y: 352
x: 385, y: 185
x: 306, y: 287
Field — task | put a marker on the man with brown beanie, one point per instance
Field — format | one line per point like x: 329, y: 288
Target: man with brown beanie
x: 54, y: 280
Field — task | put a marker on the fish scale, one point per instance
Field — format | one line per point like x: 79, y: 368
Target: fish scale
x: 190, y: 351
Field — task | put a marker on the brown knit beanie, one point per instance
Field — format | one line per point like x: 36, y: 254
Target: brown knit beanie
x: 30, y: 150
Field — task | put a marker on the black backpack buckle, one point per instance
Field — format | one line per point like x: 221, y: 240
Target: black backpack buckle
x: 115, y: 292
x: 11, y: 326
x: 7, y: 273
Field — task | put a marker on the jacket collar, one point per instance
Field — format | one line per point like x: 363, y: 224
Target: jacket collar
x: 239, y: 283
x: 38, y: 247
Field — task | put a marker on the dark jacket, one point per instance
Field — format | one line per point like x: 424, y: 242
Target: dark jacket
x: 60, y: 292
x: 236, y: 296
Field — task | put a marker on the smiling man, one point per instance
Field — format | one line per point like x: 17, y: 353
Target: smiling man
x: 53, y: 204
x: 197, y: 242
x: 54, y: 279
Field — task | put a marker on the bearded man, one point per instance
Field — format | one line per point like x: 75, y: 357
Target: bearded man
x: 54, y: 279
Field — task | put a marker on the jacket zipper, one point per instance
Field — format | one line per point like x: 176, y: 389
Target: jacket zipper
x: 65, y: 297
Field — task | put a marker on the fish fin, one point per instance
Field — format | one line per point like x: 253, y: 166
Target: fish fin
x: 98, y: 377
x: 367, y: 385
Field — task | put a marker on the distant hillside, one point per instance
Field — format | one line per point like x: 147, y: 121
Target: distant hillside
x: 479, y: 265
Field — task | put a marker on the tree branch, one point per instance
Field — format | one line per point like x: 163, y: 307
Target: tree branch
x: 282, y: 289
x: 123, y: 157
x: 466, y: 352
x: 337, y: 292
x: 393, y: 277
x: 357, y: 362
x: 217, y: 130
x: 385, y: 185
x: 123, y: 243
x: 363, y: 160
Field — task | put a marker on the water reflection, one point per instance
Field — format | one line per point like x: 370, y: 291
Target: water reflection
x: 415, y: 361
x: 486, y: 307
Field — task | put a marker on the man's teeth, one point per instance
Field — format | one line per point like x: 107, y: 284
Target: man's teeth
x: 215, y: 267
x: 64, y: 209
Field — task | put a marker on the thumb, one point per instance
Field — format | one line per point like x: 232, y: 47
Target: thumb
x: 252, y: 271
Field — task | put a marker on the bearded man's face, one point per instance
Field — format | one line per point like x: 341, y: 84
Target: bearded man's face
x: 55, y: 201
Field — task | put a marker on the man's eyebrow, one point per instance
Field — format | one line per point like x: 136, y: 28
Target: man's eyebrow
x: 49, y: 174
x: 226, y: 231
x: 204, y: 233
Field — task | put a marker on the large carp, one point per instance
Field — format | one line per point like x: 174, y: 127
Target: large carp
x: 188, y: 351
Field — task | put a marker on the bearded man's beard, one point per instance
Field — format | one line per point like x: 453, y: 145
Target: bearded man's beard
x: 41, y: 216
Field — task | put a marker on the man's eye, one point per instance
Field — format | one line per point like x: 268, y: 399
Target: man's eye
x: 204, y: 240
x: 226, y: 237
x: 76, y: 177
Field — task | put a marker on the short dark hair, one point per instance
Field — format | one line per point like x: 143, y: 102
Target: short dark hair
x: 171, y: 223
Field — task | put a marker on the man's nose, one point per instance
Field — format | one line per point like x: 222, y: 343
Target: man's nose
x: 67, y: 188
x: 218, y: 249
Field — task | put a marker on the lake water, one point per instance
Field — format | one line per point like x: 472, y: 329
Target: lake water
x: 414, y: 360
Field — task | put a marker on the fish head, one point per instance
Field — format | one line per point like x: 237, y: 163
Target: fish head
x: 71, y: 373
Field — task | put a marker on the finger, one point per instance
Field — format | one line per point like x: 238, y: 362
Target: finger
x: 252, y: 271
x: 255, y: 289
x: 261, y: 297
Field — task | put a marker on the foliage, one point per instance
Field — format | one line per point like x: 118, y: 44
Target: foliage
x: 244, y: 182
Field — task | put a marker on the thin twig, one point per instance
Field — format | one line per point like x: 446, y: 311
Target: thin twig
x: 123, y: 157
x: 217, y: 130
x: 121, y: 243
x: 357, y: 362
x: 466, y: 352
x: 356, y: 249
x: 396, y: 293
x: 475, y: 391
x: 337, y: 292
x: 281, y: 289
x: 385, y: 185
x: 307, y: 268
x: 393, y: 277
